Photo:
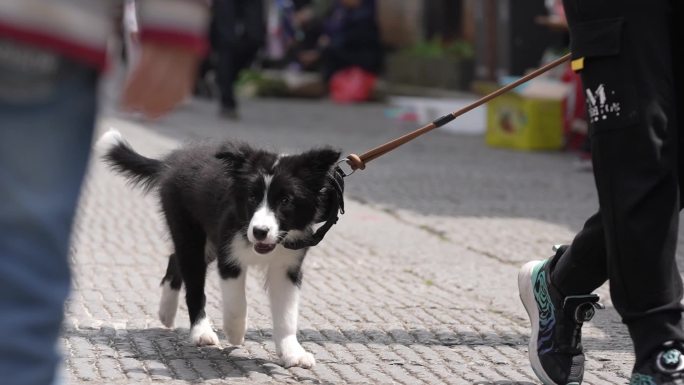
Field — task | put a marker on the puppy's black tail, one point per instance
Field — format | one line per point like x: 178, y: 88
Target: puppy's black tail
x: 120, y: 156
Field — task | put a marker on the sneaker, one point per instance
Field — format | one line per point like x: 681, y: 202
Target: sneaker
x: 555, y: 348
x: 665, y: 367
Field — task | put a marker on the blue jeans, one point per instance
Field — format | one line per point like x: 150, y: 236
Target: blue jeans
x: 47, y: 113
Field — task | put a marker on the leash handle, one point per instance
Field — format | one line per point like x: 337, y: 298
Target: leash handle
x: 358, y: 162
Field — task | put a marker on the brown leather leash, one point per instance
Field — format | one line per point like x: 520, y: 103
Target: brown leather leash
x: 333, y: 193
x: 358, y: 162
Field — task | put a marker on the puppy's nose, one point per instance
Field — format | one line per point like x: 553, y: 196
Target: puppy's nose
x: 260, y: 233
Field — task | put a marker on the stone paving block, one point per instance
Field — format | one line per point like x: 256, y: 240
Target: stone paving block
x: 81, y: 347
x: 257, y: 352
x: 133, y: 369
x: 206, y: 368
x: 187, y: 350
x: 85, y: 369
x: 349, y: 374
x: 326, y: 373
x: 110, y: 369
x: 373, y: 373
x: 158, y: 371
x: 408, y: 354
x: 422, y: 372
x: 145, y: 347
x: 183, y: 369
x: 399, y: 374
x: 253, y: 370
x: 321, y: 353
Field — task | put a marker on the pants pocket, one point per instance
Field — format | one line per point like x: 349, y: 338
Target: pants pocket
x: 606, y: 76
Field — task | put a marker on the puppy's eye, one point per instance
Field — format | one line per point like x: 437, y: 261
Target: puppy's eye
x: 253, y: 196
x: 285, y: 200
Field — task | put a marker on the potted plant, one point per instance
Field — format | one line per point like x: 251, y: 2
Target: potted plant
x: 433, y: 63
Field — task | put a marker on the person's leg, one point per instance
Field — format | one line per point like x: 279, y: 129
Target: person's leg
x: 202, y: 88
x: 47, y: 109
x: 634, y: 142
x: 223, y: 21
x: 627, y: 74
x: 678, y: 57
x: 250, y: 15
x: 629, y: 82
x: 254, y: 29
x: 582, y: 267
x: 661, y: 362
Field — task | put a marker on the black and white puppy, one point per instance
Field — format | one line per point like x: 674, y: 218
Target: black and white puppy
x: 237, y: 205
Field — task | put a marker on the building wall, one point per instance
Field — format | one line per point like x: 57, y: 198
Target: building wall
x: 468, y: 20
x: 401, y: 22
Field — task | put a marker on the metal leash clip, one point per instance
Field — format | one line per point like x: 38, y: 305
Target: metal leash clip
x: 341, y: 170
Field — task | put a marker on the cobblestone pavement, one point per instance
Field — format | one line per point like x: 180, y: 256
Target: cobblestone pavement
x: 416, y: 284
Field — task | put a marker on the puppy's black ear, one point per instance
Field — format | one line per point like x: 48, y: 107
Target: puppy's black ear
x: 315, y: 164
x: 233, y: 159
x: 321, y: 159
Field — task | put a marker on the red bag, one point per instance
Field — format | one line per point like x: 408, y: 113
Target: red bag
x: 353, y: 84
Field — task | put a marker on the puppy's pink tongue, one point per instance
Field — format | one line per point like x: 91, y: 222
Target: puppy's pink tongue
x: 264, y: 248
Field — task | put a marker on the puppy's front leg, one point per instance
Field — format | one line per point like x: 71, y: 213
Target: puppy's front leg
x: 234, y: 303
x: 283, y: 289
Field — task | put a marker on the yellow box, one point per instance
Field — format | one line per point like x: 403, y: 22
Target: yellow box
x: 524, y: 123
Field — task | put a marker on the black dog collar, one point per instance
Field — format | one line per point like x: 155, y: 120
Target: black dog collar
x: 335, y: 199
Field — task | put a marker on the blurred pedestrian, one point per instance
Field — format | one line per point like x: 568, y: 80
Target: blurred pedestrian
x: 630, y: 58
x: 304, y: 25
x: 352, y: 38
x: 238, y: 31
x: 51, y: 55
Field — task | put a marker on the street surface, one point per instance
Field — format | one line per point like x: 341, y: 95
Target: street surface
x: 415, y: 285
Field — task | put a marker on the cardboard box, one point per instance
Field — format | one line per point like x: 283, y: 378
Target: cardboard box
x: 528, y: 118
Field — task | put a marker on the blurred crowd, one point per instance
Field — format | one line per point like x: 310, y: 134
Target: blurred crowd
x: 321, y: 37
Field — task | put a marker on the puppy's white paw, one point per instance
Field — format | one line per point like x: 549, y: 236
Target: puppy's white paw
x: 295, y: 355
x: 305, y: 360
x: 202, y: 334
x: 168, y: 305
x: 235, y: 329
x: 206, y: 339
x: 167, y: 319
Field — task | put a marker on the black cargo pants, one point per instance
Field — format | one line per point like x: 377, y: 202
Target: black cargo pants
x: 629, y: 54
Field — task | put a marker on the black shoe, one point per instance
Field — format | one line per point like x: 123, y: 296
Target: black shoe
x: 665, y: 367
x: 202, y: 89
x: 555, y: 348
x: 229, y: 113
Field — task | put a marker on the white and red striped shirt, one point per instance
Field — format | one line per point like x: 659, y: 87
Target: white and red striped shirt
x: 80, y: 29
